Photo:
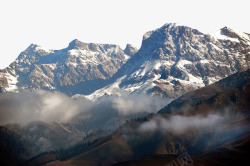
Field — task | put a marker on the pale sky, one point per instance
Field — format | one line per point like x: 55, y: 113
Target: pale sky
x: 54, y: 23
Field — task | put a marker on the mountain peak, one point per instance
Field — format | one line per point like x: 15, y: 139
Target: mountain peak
x: 75, y: 41
x: 32, y: 46
x: 169, y: 31
x: 36, y: 47
x: 227, y: 33
x: 130, y: 50
x: 226, y: 28
x: 75, y: 44
x: 173, y: 25
x: 172, y: 60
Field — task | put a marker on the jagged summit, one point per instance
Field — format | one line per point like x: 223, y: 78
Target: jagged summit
x: 170, y: 26
x: 69, y: 70
x: 175, y: 59
x: 233, y: 35
x: 76, y: 44
x: 37, y: 47
x: 32, y: 45
x: 130, y: 50
x: 167, y: 31
x: 228, y: 32
x: 172, y: 60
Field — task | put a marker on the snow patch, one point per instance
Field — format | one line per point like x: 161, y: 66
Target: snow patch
x: 112, y: 89
x: 204, y: 61
x: 12, y: 81
x: 217, y: 35
x: 216, y: 47
x: 126, y: 57
x: 132, y: 88
x: 242, y: 34
x: 73, y: 52
x: 52, y: 66
x: 44, y: 49
x: 157, y: 65
x: 181, y: 63
x: 195, y: 80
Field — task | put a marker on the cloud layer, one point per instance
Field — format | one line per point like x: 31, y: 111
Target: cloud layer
x: 37, y: 106
x: 180, y: 124
x: 138, y: 103
x: 25, y: 107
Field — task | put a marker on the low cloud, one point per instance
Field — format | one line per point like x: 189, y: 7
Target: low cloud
x: 180, y: 124
x: 25, y: 107
x: 37, y: 106
x: 138, y: 103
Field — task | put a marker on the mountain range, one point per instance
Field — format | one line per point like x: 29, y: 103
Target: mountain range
x: 182, y: 92
x: 172, y: 60
x: 80, y: 64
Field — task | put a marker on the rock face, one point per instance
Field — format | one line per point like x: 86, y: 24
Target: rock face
x: 130, y: 50
x: 172, y: 60
x: 175, y: 59
x: 65, y: 70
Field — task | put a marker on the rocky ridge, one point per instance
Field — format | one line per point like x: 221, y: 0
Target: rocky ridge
x: 175, y: 59
x: 172, y: 60
x: 75, y: 66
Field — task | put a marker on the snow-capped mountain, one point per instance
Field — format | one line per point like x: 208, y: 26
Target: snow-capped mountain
x: 69, y: 70
x: 175, y: 59
x: 172, y: 60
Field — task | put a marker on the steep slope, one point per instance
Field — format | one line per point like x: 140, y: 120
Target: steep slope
x: 201, y: 96
x: 184, y: 130
x: 69, y: 70
x: 175, y: 59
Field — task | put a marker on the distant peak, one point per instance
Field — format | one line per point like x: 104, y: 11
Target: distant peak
x: 74, y: 44
x: 37, y: 47
x: 225, y: 27
x: 172, y: 24
x: 32, y: 45
x: 227, y: 33
x: 176, y: 28
x: 130, y: 46
x: 75, y: 41
x: 130, y: 50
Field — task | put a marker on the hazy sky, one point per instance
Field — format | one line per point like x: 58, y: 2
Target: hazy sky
x: 54, y: 23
